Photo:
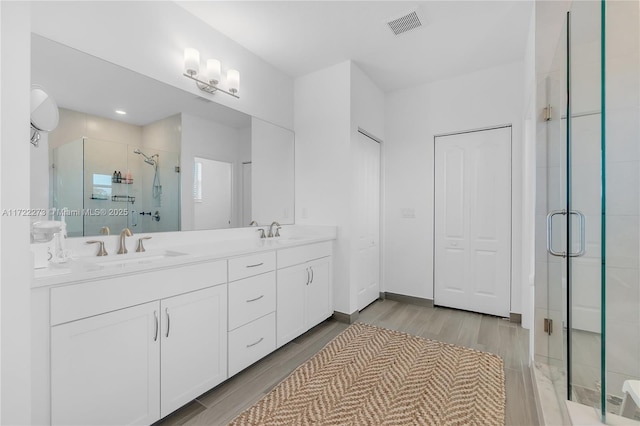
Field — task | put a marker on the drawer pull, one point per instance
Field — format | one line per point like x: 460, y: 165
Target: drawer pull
x: 257, y: 264
x: 311, y: 275
x: 257, y: 298
x: 253, y: 344
x: 308, y: 276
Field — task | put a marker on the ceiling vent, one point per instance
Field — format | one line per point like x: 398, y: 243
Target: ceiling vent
x: 405, y: 23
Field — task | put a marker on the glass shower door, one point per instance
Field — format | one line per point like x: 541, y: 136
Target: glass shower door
x: 575, y: 209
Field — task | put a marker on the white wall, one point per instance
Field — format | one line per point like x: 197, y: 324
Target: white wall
x: 330, y: 104
x: 15, y: 255
x: 529, y: 182
x: 150, y: 38
x: 413, y: 116
x: 208, y: 139
x: 322, y: 129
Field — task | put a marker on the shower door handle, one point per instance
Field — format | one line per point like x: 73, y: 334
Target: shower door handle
x: 583, y: 243
x: 563, y: 254
x: 550, y: 233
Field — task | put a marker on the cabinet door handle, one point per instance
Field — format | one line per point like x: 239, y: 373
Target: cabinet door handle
x: 257, y: 298
x: 308, y: 277
x: 155, y: 315
x: 166, y: 310
x: 257, y: 264
x: 311, y: 275
x: 253, y: 344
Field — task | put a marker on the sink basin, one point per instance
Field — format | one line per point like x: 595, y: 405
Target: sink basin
x: 122, y: 260
x: 285, y: 240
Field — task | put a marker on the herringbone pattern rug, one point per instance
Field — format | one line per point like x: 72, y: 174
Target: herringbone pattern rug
x: 373, y: 376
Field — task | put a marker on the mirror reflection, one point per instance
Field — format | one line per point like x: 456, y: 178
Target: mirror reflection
x: 133, y: 152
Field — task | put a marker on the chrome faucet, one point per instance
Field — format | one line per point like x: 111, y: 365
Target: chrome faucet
x: 254, y: 223
x: 105, y: 230
x: 126, y: 232
x: 271, y: 229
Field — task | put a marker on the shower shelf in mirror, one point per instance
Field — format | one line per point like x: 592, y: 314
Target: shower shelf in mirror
x: 123, y: 198
x: 99, y: 197
x: 123, y: 181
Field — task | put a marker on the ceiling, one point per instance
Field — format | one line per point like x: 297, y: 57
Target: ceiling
x: 299, y: 37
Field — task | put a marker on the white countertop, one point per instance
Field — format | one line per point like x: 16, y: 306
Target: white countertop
x: 88, y: 268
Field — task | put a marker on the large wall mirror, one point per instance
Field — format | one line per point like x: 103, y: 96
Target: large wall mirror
x: 130, y: 151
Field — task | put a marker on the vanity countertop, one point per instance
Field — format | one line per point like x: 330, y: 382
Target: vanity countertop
x: 89, y: 268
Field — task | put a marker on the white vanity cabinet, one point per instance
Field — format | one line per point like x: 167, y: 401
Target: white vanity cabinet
x: 304, y: 289
x: 252, y: 305
x: 135, y: 363
x: 105, y: 369
x: 193, y: 345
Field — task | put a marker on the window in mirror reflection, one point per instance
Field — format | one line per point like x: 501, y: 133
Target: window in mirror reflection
x: 101, y: 187
x: 212, y: 194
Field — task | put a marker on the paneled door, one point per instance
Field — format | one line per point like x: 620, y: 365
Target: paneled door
x: 472, y: 265
x: 366, y: 239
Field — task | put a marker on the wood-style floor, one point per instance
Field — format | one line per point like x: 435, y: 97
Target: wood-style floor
x: 482, y: 332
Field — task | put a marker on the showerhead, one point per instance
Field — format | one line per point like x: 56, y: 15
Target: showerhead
x: 147, y: 159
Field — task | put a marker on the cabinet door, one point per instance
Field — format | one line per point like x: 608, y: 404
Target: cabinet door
x: 194, y: 345
x: 291, y: 302
x: 105, y: 370
x: 318, y: 304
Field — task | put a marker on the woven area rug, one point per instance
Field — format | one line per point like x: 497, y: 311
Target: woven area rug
x: 369, y: 375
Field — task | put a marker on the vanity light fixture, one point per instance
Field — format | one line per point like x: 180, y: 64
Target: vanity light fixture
x: 208, y: 80
x: 121, y: 112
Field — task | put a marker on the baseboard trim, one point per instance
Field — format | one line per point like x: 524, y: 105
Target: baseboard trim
x: 408, y: 299
x: 346, y: 318
x: 515, y: 318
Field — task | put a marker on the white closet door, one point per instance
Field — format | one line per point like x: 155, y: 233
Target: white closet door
x: 366, y: 240
x: 472, y: 267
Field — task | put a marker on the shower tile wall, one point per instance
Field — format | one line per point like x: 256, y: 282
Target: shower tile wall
x: 623, y: 194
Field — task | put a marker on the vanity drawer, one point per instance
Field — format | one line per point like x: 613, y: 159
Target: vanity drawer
x: 251, y: 342
x: 251, y: 298
x: 73, y: 302
x: 255, y: 264
x: 301, y: 254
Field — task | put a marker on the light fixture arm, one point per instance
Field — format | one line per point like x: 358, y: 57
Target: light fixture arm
x: 209, y: 88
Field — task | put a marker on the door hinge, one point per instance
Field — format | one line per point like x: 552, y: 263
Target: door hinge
x: 546, y: 113
x: 177, y: 169
x: 548, y: 326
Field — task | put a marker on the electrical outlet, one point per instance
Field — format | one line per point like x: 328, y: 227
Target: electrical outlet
x: 408, y: 213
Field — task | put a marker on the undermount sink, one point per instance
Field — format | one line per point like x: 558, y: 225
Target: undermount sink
x: 134, y: 258
x: 285, y: 240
